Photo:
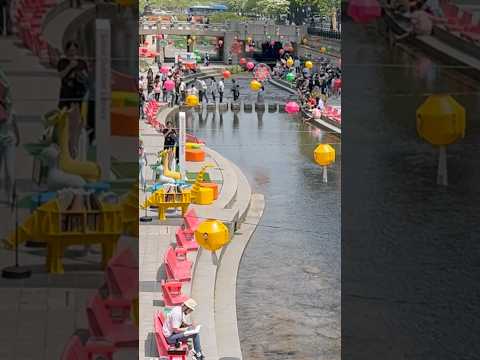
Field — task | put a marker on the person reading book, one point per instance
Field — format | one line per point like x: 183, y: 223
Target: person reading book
x: 176, y: 327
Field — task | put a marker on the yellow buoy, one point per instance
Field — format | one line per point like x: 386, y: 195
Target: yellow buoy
x: 324, y: 155
x: 255, y: 85
x: 441, y: 121
x: 308, y: 64
x: 290, y: 62
x: 212, y: 235
x: 192, y: 100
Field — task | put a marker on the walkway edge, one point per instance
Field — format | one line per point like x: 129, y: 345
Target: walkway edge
x: 226, y: 283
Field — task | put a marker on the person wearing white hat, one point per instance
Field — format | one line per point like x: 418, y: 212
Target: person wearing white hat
x: 177, y: 329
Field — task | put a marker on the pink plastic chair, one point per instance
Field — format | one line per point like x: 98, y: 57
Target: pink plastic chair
x: 186, y: 240
x: 76, y: 350
x: 118, y: 331
x: 177, y: 268
x: 172, y: 293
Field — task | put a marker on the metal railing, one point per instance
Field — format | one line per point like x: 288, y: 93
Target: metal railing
x: 330, y: 34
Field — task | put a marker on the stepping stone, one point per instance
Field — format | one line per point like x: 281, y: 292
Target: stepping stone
x: 235, y: 106
x: 211, y: 107
x: 281, y: 108
x: 223, y: 107
x: 259, y: 106
x: 272, y: 108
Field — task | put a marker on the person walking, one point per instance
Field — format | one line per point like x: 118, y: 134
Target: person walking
x: 221, y: 89
x: 235, y: 90
x: 213, y: 89
x: 182, y: 88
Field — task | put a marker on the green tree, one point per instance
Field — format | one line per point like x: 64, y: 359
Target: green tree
x: 273, y: 8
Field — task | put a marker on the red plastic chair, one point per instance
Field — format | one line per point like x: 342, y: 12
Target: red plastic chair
x: 122, y: 275
x: 191, y: 220
x: 164, y: 349
x: 118, y: 331
x: 186, y: 240
x: 77, y: 350
x: 177, y: 268
x: 472, y: 33
x: 172, y: 293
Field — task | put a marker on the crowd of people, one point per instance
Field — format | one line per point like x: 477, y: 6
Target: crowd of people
x: 314, y: 86
x: 155, y: 87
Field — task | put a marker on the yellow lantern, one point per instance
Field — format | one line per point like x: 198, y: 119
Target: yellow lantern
x: 212, y: 235
x: 192, y: 100
x: 290, y: 62
x: 441, y: 121
x: 308, y: 64
x: 324, y: 155
x: 255, y: 85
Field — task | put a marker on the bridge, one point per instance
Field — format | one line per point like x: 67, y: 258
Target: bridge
x: 259, y: 32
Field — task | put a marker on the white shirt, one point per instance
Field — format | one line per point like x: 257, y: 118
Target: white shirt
x: 174, y: 320
x: 221, y: 86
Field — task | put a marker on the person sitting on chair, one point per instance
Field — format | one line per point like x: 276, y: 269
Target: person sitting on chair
x: 176, y: 325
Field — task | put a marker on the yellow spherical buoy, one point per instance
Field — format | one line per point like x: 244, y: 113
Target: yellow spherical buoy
x: 308, y: 64
x: 192, y: 100
x: 324, y: 154
x: 290, y: 62
x: 441, y: 120
x: 255, y: 85
x: 212, y: 235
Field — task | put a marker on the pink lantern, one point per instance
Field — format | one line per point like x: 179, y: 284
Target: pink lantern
x: 364, y: 11
x: 250, y: 65
x: 164, y: 69
x: 243, y: 61
x: 281, y: 51
x: 292, y: 107
x: 169, y: 85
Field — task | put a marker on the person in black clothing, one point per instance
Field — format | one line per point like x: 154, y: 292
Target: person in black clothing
x: 235, y: 90
x: 170, y: 136
x: 74, y: 86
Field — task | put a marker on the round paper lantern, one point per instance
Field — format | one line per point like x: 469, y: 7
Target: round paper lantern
x: 192, y: 100
x: 212, y: 235
x: 281, y: 51
x: 290, y: 77
x: 292, y: 107
x: 317, y: 113
x: 243, y: 61
x: 324, y: 154
x: 226, y: 74
x: 290, y: 62
x: 255, y: 85
x: 250, y: 65
x: 169, y: 85
x: 164, y: 69
x: 308, y: 64
x: 441, y: 120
